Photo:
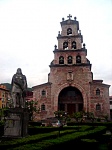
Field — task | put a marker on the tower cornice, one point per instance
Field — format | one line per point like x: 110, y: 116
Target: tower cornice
x: 70, y: 65
x: 69, y: 36
x: 65, y: 51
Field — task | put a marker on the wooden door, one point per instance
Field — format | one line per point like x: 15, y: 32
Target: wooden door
x: 71, y: 108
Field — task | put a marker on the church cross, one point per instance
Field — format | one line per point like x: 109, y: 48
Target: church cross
x: 69, y: 16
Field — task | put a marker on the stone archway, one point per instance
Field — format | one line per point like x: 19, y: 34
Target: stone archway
x: 70, y: 100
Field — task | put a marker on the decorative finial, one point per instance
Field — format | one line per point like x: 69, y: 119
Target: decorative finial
x: 55, y: 47
x: 84, y: 45
x: 63, y: 19
x: 69, y: 16
x: 59, y: 33
x: 75, y: 18
x: 79, y: 31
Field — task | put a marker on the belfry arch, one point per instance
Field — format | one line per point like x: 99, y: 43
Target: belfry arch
x: 70, y: 100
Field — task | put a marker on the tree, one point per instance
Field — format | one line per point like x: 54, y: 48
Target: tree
x: 106, y: 117
x: 78, y: 116
x: 3, y: 113
x: 61, y: 116
x: 32, y: 108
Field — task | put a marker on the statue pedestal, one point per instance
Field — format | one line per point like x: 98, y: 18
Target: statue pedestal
x: 16, y: 123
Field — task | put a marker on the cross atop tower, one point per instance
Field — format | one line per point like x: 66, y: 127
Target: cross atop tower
x: 69, y: 16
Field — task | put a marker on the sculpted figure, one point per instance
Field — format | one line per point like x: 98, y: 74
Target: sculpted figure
x: 19, y: 86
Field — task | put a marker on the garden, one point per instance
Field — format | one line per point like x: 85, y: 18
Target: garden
x: 75, y: 133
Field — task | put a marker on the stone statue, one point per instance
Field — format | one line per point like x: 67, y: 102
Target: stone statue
x: 19, y: 86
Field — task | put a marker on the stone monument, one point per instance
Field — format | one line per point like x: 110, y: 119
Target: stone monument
x: 17, y: 117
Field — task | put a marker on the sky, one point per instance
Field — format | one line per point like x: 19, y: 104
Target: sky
x: 29, y: 30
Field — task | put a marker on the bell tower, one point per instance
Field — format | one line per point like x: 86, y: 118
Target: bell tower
x: 71, y: 50
x: 70, y: 71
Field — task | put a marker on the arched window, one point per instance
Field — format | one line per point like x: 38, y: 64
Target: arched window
x: 69, y: 59
x: 65, y: 45
x: 73, y: 45
x: 98, y: 106
x: 43, y: 93
x: 97, y: 91
x: 42, y: 107
x: 78, y: 59
x: 61, y: 60
x: 69, y: 31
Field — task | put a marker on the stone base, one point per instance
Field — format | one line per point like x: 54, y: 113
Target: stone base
x: 16, y: 123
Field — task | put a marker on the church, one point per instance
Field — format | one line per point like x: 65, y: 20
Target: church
x: 71, y: 87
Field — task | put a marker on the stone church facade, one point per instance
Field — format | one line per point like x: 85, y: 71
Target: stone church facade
x: 70, y: 85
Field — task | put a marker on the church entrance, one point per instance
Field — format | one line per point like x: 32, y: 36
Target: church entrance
x: 70, y: 100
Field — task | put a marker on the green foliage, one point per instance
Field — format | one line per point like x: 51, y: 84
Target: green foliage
x: 53, y: 143
x: 89, y: 115
x: 32, y: 108
x: 61, y: 115
x: 2, y: 113
x: 8, y: 86
x: 1, y: 123
x: 106, y: 117
x: 98, y: 119
x: 89, y: 140
x: 34, y: 138
x: 82, y: 115
x: 103, y: 147
x: 77, y: 115
x: 51, y: 139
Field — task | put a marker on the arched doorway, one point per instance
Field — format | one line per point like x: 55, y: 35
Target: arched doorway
x: 70, y: 100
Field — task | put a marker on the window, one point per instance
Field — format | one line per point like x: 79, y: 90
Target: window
x: 97, y: 92
x: 69, y: 31
x: 61, y: 60
x: 98, y: 106
x: 73, y: 45
x: 69, y: 59
x: 42, y: 107
x: 110, y: 102
x: 78, y: 59
x: 43, y: 93
x: 65, y: 45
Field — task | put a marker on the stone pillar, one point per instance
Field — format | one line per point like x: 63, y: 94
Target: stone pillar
x: 65, y: 107
x: 77, y: 107
x: 16, y: 123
